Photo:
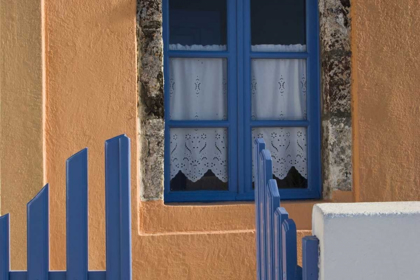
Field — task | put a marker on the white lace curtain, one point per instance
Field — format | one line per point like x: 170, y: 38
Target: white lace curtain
x: 198, y: 91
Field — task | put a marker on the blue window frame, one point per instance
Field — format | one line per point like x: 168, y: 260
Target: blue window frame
x: 239, y: 122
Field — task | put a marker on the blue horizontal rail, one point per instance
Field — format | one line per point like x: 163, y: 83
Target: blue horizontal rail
x: 57, y: 275
x: 193, y: 124
x: 198, y: 54
x: 279, y: 123
x: 279, y: 55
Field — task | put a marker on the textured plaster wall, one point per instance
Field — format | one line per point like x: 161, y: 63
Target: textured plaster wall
x: 92, y: 96
x: 22, y: 90
x: 386, y: 67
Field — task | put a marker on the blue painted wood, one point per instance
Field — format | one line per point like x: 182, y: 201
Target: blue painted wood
x: 272, y: 203
x: 4, y: 247
x: 231, y: 123
x: 267, y: 175
x: 280, y: 215
x: 194, y: 54
x: 77, y: 216
x: 57, y: 275
x: 261, y: 206
x: 118, y: 209
x: 125, y: 206
x: 259, y: 146
x: 310, y: 258
x: 289, y: 249
x: 192, y: 124
x: 245, y: 79
x: 239, y: 122
x: 279, y: 55
x: 18, y: 275
x: 233, y: 136
x: 279, y: 123
x: 37, y: 236
x: 118, y: 218
x: 201, y: 196
x: 243, y: 192
x: 166, y: 103
x: 313, y: 102
x: 97, y: 275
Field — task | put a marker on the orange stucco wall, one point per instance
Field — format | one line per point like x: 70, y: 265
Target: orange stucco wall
x: 386, y: 67
x: 22, y: 102
x: 91, y: 95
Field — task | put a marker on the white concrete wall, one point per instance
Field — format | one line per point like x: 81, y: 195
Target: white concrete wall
x: 368, y: 241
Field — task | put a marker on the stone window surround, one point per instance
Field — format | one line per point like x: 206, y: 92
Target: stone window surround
x: 335, y: 29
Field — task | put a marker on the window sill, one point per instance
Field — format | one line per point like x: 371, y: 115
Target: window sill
x: 157, y: 217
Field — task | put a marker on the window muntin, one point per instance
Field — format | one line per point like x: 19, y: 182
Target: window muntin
x: 243, y: 114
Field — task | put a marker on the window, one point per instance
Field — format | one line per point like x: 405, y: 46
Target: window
x: 236, y: 70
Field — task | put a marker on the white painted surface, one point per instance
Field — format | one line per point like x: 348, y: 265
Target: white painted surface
x: 368, y: 241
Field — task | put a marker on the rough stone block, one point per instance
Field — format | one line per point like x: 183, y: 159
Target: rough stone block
x: 337, y: 154
x: 336, y: 74
x: 151, y: 160
x: 335, y: 24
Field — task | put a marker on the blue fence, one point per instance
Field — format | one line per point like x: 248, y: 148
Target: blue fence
x: 118, y: 222
x: 276, y: 234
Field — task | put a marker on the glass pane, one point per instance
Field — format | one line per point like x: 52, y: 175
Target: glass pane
x: 278, y: 25
x: 287, y: 146
x: 198, y: 89
x: 199, y: 159
x: 278, y: 88
x: 197, y: 24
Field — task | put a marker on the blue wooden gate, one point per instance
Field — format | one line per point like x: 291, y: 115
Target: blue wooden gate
x: 276, y: 232
x: 118, y: 222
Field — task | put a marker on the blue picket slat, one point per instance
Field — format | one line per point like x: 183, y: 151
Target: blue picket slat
x: 77, y: 216
x: 118, y: 222
x: 259, y: 146
x: 4, y: 247
x: 267, y: 175
x: 310, y: 257
x: 125, y: 207
x: 37, y: 234
x: 276, y: 234
x: 279, y: 216
x: 118, y: 210
x: 265, y: 168
x: 273, y: 202
x: 289, y: 249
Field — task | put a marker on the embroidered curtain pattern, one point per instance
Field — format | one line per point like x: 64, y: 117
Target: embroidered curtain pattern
x: 198, y: 91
